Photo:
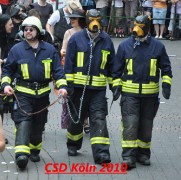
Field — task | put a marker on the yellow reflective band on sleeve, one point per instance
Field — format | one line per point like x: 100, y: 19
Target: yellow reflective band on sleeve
x: 32, y: 92
x: 80, y: 59
x: 69, y: 77
x: 104, y: 58
x: 37, y: 147
x: 129, y: 66
x: 167, y: 79
x: 110, y: 81
x: 153, y: 67
x: 22, y: 149
x: 6, y: 79
x: 142, y: 144
x: 129, y: 143
x: 47, y: 65
x: 117, y: 82
x: 61, y: 82
x: 74, y: 137
x: 24, y: 70
x: 99, y: 140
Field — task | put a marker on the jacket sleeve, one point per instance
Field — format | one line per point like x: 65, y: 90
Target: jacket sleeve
x: 118, y: 67
x: 8, y: 70
x: 165, y: 66
x: 111, y: 59
x: 58, y: 73
x: 70, y: 60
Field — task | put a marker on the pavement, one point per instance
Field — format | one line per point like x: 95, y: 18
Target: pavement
x: 165, y: 151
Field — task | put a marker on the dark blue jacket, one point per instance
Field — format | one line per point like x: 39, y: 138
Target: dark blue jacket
x: 25, y: 65
x: 78, y: 60
x: 138, y: 70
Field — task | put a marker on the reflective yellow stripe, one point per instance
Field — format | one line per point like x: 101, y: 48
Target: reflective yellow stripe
x: 99, y: 140
x: 104, y: 58
x: 37, y: 147
x: 74, y: 137
x: 129, y: 143
x: 80, y: 59
x: 32, y: 92
x: 143, y: 144
x: 167, y: 79
x: 47, y: 64
x: 129, y: 66
x: 98, y: 81
x: 150, y: 88
x: 22, y: 149
x: 131, y: 87
x: 69, y: 77
x: 117, y: 82
x: 110, y: 81
x: 61, y: 82
x: 24, y: 70
x: 153, y: 67
x: 6, y: 79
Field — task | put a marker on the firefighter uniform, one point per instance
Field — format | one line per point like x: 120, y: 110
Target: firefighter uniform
x: 80, y: 70
x: 136, y: 71
x: 33, y: 72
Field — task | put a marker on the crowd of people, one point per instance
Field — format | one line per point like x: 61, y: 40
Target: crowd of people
x: 71, y: 47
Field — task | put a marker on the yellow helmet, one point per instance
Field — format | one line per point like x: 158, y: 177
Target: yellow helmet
x: 32, y: 21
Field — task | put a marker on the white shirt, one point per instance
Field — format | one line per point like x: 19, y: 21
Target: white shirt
x: 118, y: 3
x: 55, y: 18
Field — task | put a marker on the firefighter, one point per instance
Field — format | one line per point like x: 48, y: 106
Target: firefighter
x: 88, y: 65
x: 32, y: 63
x: 138, y: 64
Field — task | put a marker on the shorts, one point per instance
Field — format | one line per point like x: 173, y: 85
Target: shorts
x: 159, y: 15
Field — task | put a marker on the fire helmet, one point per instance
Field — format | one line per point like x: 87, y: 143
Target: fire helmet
x: 93, y: 19
x: 32, y: 21
x: 142, y: 26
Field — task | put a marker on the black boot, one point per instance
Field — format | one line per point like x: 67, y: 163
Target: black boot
x: 72, y: 151
x: 130, y: 163
x: 35, y: 157
x: 144, y: 160
x: 22, y: 161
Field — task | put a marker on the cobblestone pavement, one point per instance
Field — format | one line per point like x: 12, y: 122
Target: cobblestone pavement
x: 166, y: 141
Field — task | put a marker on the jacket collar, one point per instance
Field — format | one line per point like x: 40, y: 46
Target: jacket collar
x: 27, y: 46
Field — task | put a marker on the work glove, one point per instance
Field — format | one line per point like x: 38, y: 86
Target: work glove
x: 70, y: 89
x: 116, y: 90
x: 166, y: 90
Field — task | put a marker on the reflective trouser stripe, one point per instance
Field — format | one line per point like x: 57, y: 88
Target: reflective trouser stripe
x: 74, y: 137
x: 99, y: 140
x: 142, y: 144
x: 135, y: 144
x: 37, y: 147
x: 22, y: 149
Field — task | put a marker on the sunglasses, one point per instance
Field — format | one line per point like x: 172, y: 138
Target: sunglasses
x: 29, y: 29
